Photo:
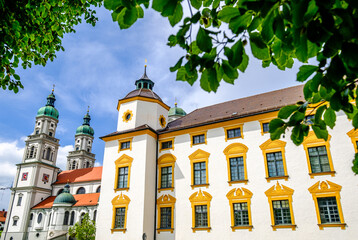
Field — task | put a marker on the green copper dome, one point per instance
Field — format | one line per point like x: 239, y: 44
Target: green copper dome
x: 49, y: 110
x: 65, y: 196
x: 85, y: 128
x: 176, y: 111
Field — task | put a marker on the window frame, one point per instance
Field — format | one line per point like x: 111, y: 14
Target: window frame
x: 271, y: 147
x: 240, y: 195
x: 166, y: 160
x: 276, y: 193
x: 262, y: 122
x: 192, y: 135
x: 125, y: 116
x: 197, y: 199
x: 166, y: 140
x: 235, y: 150
x: 353, y: 134
x: 123, y: 141
x: 165, y: 201
x: 196, y: 157
x: 312, y: 141
x: 123, y: 161
x: 323, y: 189
x: 120, y: 201
x: 239, y: 126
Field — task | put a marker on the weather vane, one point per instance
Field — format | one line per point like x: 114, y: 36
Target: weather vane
x: 88, y: 108
x: 53, y: 88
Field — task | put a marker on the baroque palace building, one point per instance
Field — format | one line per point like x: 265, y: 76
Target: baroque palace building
x: 211, y: 174
x: 215, y: 174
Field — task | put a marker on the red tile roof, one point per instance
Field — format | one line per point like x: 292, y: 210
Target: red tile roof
x: 79, y: 175
x: 3, y: 216
x: 89, y: 199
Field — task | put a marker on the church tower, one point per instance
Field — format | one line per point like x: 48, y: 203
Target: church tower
x: 36, y: 172
x: 82, y: 157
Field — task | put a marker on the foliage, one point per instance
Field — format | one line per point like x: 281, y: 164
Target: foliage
x: 84, y: 230
x: 31, y: 32
x: 278, y: 32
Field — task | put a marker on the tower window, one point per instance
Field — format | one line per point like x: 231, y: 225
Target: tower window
x: 98, y: 189
x: 72, y: 220
x: 65, y: 219
x: 52, y: 125
x: 50, y: 133
x: 39, y: 218
x: 48, y: 153
x: 19, y: 200
x: 145, y: 85
x: 73, y: 165
x: 49, y: 220
x: 87, y: 164
x: 88, y: 150
x: 38, y: 123
x: 37, y: 132
x: 89, y: 142
x: 81, y: 190
x: 77, y: 148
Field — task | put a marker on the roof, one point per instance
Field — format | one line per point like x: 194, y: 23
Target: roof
x: 79, y: 175
x: 142, y: 127
x: 238, y: 108
x: 89, y: 199
x: 3, y: 216
x: 143, y: 92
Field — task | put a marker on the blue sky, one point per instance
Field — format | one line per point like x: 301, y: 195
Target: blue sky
x: 99, y: 66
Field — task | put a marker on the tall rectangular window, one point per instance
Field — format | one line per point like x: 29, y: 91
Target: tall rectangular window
x: 19, y: 200
x: 281, y: 210
x: 237, y: 170
x: 122, y: 177
x: 265, y: 127
x: 201, y: 216
x: 233, y: 133
x: 319, y: 159
x: 275, y: 164
x: 200, y: 173
x: 241, y: 214
x: 125, y: 145
x: 120, y: 217
x: 165, y: 217
x: 166, y: 178
x: 328, y: 210
x: 167, y: 145
x: 199, y: 139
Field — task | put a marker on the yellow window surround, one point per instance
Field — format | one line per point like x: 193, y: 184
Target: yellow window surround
x: 123, y: 161
x: 162, y: 121
x: 200, y: 198
x: 327, y: 189
x: 240, y: 126
x: 240, y: 195
x: 353, y: 134
x: 166, y: 140
x: 280, y: 192
x: 270, y: 147
x: 166, y: 160
x: 199, y: 156
x: 125, y: 140
x: 197, y: 134
x: 127, y: 116
x: 236, y: 150
x: 262, y: 121
x: 312, y: 141
x: 120, y: 201
x: 162, y: 202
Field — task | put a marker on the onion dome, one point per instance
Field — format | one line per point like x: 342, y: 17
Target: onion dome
x: 65, y: 196
x: 176, y: 111
x: 85, y: 128
x: 49, y: 110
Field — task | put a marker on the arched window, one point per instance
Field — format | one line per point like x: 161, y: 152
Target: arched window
x: 81, y: 190
x: 51, y: 156
x: 87, y: 164
x: 98, y: 189
x: 82, y: 216
x: 88, y: 150
x: 48, y: 152
x: 73, y: 165
x: 31, y: 217
x: 145, y: 85
x: 65, y: 219
x: 32, y: 152
x: 60, y: 191
x: 72, y: 220
x: 77, y: 148
x: 39, y: 218
x: 94, y: 215
x: 49, y: 220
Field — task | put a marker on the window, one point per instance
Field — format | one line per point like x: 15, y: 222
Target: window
x: 81, y: 190
x: 52, y: 125
x: 38, y: 123
x: 318, y: 156
x: 98, y: 189
x: 50, y: 133
x: 162, y: 121
x: 237, y: 169
x: 73, y: 165
x: 233, y: 132
x: 31, y: 218
x: 94, y: 215
x: 280, y: 200
x: 309, y: 119
x: 353, y: 134
x: 125, y: 144
x: 39, y: 218
x: 198, y: 139
x: 200, y: 203
x: 59, y: 191
x: 199, y: 167
x: 120, y: 208
x: 66, y: 217
x: 127, y: 116
x: 48, y: 152
x: 274, y: 156
x: 165, y: 206
x: 72, y: 219
x: 326, y: 196
x: 32, y: 150
x: 123, y: 170
x: 37, y: 132
x: 87, y: 164
x: 89, y: 142
x: 165, y: 145
x: 240, y: 201
x: 19, y: 200
x: 49, y: 219
x: 77, y: 148
x: 14, y: 221
x: 265, y: 127
x: 166, y: 165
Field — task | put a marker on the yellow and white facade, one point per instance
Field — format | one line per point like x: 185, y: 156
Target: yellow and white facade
x: 201, y: 177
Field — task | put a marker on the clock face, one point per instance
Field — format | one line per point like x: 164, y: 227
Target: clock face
x: 45, y: 178
x: 24, y: 176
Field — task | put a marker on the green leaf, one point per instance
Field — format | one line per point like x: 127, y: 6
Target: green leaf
x: 196, y: 3
x: 355, y: 121
x: 213, y: 80
x: 330, y: 117
x: 227, y: 13
x: 267, y: 27
x: 177, y: 65
x: 258, y: 47
x: 130, y: 17
x: 319, y: 112
x: 203, y: 40
x: 177, y: 15
x: 286, y: 111
x: 240, y: 23
x: 204, y: 81
x: 275, y: 124
x: 17, y: 77
x: 320, y: 133
x: 305, y: 72
x: 244, y: 63
x: 316, y: 81
x: 237, y: 49
x: 229, y: 71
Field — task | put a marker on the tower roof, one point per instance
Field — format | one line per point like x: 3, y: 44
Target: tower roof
x: 49, y: 110
x: 144, y: 82
x: 176, y: 111
x: 85, y: 128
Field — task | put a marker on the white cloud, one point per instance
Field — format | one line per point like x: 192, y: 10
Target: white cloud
x: 62, y: 156
x: 97, y: 164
